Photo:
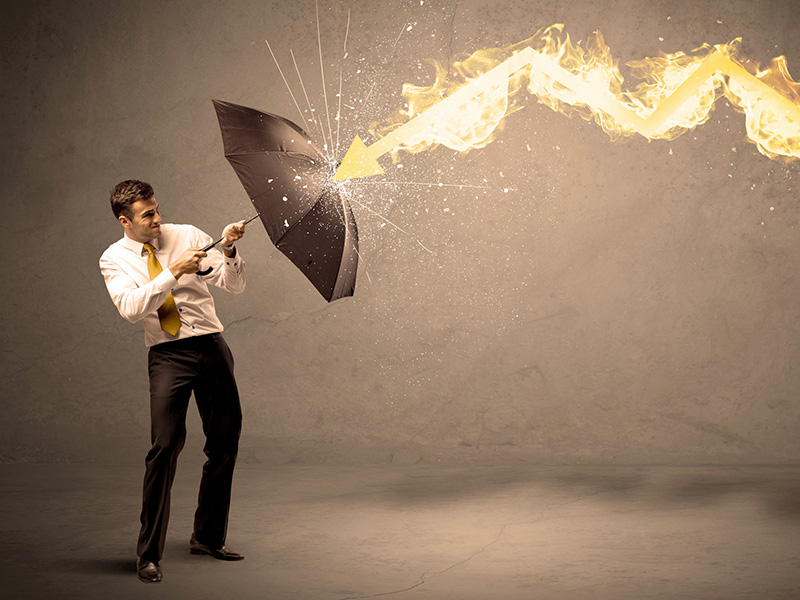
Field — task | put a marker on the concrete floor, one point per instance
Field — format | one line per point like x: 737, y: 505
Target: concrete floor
x: 477, y: 533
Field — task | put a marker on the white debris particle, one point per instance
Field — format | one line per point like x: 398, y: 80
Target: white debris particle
x: 501, y: 174
x: 668, y: 18
x: 762, y: 222
x: 399, y: 165
x: 719, y: 22
x: 409, y: 28
x: 729, y: 175
x: 558, y: 147
x: 660, y: 39
x: 270, y: 180
x: 296, y: 177
x: 445, y: 209
x: 772, y: 208
x: 505, y: 190
x: 285, y: 199
x: 752, y: 187
x: 670, y: 151
x: 285, y: 223
x: 734, y: 149
x: 528, y: 146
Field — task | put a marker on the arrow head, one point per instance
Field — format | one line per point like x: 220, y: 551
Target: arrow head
x: 358, y: 162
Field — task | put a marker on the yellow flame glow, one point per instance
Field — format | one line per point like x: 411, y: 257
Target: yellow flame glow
x: 774, y: 130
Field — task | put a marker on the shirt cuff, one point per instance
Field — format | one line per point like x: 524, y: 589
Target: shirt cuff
x: 234, y: 261
x: 165, y: 281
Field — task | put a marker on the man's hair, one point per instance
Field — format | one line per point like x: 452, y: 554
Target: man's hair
x: 126, y: 193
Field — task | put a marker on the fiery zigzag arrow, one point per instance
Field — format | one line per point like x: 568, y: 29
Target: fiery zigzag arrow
x: 361, y: 160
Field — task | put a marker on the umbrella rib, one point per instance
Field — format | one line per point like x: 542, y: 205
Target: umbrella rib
x: 257, y: 130
x: 278, y: 152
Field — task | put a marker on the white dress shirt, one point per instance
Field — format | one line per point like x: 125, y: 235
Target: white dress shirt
x: 124, y: 267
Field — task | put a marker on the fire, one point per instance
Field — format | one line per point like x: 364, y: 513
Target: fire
x: 673, y: 94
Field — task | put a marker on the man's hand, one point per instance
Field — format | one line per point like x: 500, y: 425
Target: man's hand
x: 233, y: 233
x: 187, y: 263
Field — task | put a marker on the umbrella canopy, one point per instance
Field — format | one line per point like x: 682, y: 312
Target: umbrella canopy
x: 289, y: 180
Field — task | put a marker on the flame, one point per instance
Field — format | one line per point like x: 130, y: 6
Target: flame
x: 774, y: 129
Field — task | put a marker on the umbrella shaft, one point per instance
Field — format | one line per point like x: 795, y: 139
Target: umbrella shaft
x: 210, y: 246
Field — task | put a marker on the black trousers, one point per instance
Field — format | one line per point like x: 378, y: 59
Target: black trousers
x: 203, y: 365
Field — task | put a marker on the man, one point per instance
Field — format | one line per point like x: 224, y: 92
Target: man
x: 152, y: 276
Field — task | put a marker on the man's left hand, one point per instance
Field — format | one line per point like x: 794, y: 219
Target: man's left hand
x: 233, y: 233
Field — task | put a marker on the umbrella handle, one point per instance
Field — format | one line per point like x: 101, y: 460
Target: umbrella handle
x: 210, y: 246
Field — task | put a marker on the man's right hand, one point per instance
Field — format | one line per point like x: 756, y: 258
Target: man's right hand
x: 188, y: 262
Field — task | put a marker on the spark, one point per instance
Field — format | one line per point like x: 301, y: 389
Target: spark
x: 364, y: 262
x: 339, y: 111
x: 305, y: 93
x: 344, y: 48
x: 284, y: 81
x: 362, y: 205
x: 366, y: 100
x: 439, y: 184
x: 322, y: 74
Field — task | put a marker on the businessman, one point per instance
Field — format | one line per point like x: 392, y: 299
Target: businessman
x: 158, y: 274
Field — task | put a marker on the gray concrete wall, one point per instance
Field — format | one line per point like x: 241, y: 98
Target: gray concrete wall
x: 627, y: 302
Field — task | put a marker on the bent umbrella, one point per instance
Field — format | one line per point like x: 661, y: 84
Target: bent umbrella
x: 289, y: 181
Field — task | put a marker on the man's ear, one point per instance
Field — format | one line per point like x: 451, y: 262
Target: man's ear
x: 125, y: 221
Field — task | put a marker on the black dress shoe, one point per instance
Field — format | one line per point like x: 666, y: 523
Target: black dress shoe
x: 222, y: 553
x: 148, y: 571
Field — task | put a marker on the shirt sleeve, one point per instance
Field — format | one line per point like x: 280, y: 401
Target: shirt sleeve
x: 134, y: 302
x: 226, y: 273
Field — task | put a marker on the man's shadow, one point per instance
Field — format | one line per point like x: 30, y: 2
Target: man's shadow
x: 94, y: 566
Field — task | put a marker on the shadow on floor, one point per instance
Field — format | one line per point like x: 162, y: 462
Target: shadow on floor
x: 97, y: 566
x: 776, y: 488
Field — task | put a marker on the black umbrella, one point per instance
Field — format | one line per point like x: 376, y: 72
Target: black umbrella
x: 290, y: 183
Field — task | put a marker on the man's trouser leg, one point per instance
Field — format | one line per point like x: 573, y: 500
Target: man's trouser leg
x: 172, y: 368
x: 218, y: 402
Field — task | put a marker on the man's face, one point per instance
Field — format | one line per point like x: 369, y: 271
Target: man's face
x: 145, y: 223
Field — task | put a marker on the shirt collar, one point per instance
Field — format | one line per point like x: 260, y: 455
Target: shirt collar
x: 138, y: 247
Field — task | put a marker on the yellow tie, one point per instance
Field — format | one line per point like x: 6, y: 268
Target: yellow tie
x: 167, y: 312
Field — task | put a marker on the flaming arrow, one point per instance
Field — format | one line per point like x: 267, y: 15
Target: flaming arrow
x: 361, y: 160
